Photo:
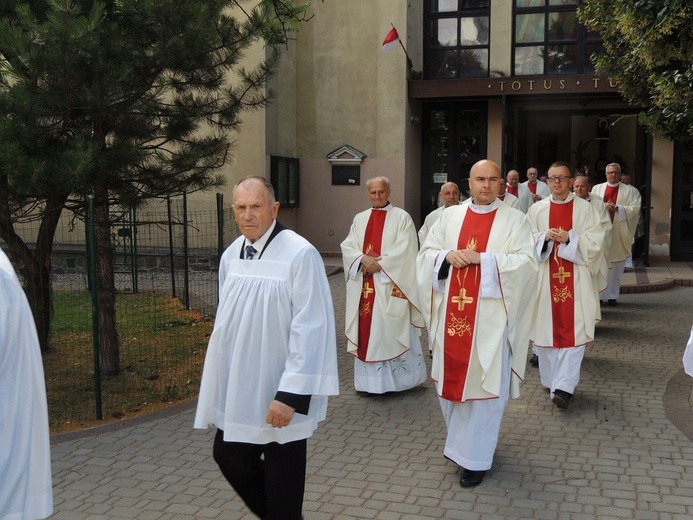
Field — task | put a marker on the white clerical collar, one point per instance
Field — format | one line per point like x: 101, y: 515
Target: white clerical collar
x: 386, y: 207
x: 486, y: 208
x: 612, y: 185
x: 570, y: 197
x: 261, y: 242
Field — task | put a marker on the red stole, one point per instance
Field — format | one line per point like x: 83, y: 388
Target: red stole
x: 611, y: 195
x: 501, y: 197
x: 532, y: 187
x: 461, y: 305
x: 561, y: 276
x: 512, y: 191
x: 371, y: 246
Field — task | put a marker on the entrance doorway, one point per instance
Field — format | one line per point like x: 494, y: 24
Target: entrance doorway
x: 682, y: 203
x: 454, y: 138
x: 586, y: 136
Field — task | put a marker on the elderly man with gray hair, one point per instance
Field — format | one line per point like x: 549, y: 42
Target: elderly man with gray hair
x: 382, y: 302
x: 623, y: 203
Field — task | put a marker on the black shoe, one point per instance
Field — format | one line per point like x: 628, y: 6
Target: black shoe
x: 562, y: 399
x: 612, y: 303
x: 534, y: 360
x: 471, y: 478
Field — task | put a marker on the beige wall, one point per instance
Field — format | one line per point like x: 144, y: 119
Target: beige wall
x: 661, y: 196
x: 501, y: 39
x: 336, y: 88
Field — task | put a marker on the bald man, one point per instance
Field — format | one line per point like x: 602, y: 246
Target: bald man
x: 477, y: 279
x: 450, y: 196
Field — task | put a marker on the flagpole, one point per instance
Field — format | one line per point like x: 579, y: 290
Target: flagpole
x: 409, y: 63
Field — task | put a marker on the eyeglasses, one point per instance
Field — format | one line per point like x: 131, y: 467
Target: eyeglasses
x: 562, y: 178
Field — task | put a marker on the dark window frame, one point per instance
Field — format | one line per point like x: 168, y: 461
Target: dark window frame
x: 284, y: 177
x: 463, y: 11
x: 583, y: 39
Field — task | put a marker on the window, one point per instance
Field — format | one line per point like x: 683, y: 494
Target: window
x: 284, y: 179
x: 457, y: 38
x: 548, y: 39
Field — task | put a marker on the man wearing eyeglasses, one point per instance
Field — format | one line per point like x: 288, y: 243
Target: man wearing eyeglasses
x: 623, y: 202
x: 568, y: 240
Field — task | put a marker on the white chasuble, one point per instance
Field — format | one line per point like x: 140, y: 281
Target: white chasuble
x: 396, y: 305
x: 274, y: 331
x: 600, y: 281
x: 25, y: 461
x: 625, y: 221
x: 507, y: 289
x: 583, y: 255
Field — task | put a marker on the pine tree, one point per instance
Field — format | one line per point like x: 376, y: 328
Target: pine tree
x: 126, y: 99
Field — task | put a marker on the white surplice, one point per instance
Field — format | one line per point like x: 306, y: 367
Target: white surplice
x: 274, y: 331
x: 25, y: 462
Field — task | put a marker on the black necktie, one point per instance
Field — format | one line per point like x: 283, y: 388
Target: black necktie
x: 250, y: 252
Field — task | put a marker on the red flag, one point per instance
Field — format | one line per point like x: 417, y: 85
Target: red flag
x: 390, y: 40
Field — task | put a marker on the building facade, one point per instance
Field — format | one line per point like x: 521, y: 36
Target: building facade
x: 508, y: 80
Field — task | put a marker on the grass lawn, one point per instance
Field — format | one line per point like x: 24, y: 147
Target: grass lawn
x: 162, y: 348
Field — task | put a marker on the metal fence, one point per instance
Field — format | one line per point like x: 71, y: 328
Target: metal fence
x: 166, y: 263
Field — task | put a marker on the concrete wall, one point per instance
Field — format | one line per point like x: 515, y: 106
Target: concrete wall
x: 336, y: 88
x: 661, y: 197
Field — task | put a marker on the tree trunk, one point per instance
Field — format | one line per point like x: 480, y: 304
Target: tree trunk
x: 109, y: 346
x: 35, y: 267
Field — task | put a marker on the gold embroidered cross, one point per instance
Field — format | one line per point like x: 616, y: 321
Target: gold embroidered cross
x: 367, y: 290
x: 462, y: 299
x: 562, y: 274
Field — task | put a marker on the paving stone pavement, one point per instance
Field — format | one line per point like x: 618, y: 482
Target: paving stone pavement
x: 614, y: 454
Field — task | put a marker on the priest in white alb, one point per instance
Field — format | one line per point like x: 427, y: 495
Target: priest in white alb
x: 510, y: 199
x: 519, y: 190
x: 382, y: 320
x: 271, y: 362
x: 568, y: 239
x: 477, y: 278
x: 538, y: 189
x: 581, y: 189
x: 25, y: 459
x: 623, y: 202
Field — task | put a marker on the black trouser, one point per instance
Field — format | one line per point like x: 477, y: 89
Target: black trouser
x: 270, y: 478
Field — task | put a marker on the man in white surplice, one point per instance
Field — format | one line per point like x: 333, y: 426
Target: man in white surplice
x: 271, y: 360
x: 25, y: 458
x: 477, y: 277
x: 382, y: 305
